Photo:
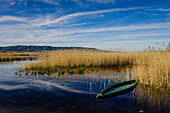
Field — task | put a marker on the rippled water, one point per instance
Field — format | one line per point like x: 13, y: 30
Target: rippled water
x: 68, y: 94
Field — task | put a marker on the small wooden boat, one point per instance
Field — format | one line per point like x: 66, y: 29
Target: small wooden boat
x: 117, y: 89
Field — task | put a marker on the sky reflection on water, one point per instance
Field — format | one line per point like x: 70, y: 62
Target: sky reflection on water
x: 20, y: 94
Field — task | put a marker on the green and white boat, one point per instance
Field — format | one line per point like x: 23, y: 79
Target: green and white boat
x: 117, y: 89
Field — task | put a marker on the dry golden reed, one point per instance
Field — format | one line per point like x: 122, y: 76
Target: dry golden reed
x: 15, y: 56
x: 84, y: 57
x: 151, y: 68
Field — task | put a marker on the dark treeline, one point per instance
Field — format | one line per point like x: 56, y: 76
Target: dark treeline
x: 20, y: 48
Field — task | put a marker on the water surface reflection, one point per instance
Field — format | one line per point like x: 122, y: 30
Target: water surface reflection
x: 69, y: 93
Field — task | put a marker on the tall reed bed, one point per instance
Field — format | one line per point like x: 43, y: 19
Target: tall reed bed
x: 151, y: 68
x: 15, y: 56
x: 84, y: 57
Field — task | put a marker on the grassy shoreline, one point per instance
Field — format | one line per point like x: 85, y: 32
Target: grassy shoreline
x: 15, y: 56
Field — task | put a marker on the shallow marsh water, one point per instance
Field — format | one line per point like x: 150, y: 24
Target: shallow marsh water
x: 71, y: 94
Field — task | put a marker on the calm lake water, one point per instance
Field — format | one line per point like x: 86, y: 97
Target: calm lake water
x: 71, y: 94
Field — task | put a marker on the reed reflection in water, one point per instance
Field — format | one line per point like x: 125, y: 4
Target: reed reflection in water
x: 151, y: 100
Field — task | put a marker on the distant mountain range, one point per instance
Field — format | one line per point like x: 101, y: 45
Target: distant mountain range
x: 20, y: 48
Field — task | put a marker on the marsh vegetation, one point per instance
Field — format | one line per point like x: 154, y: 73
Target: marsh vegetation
x: 149, y: 98
x: 151, y: 68
x: 7, y: 56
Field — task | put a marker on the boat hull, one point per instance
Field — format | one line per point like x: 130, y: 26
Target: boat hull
x: 103, y: 94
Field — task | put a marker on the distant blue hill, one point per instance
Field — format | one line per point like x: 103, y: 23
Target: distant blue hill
x: 20, y: 48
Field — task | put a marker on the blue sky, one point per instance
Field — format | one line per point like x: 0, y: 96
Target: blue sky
x: 103, y: 24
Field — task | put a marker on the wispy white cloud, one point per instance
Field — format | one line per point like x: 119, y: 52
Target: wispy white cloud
x: 78, y: 24
x: 12, y: 18
x: 50, y: 21
x: 133, y: 36
x: 11, y: 3
x: 103, y: 1
x: 73, y: 15
x: 41, y: 39
x: 74, y: 35
x: 54, y: 2
x: 99, y: 1
x: 153, y: 14
x: 159, y: 9
x: 146, y: 34
x: 118, y: 28
x: 58, y: 2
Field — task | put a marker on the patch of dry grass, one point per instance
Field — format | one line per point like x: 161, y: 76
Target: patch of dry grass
x: 151, y: 68
x: 15, y: 56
